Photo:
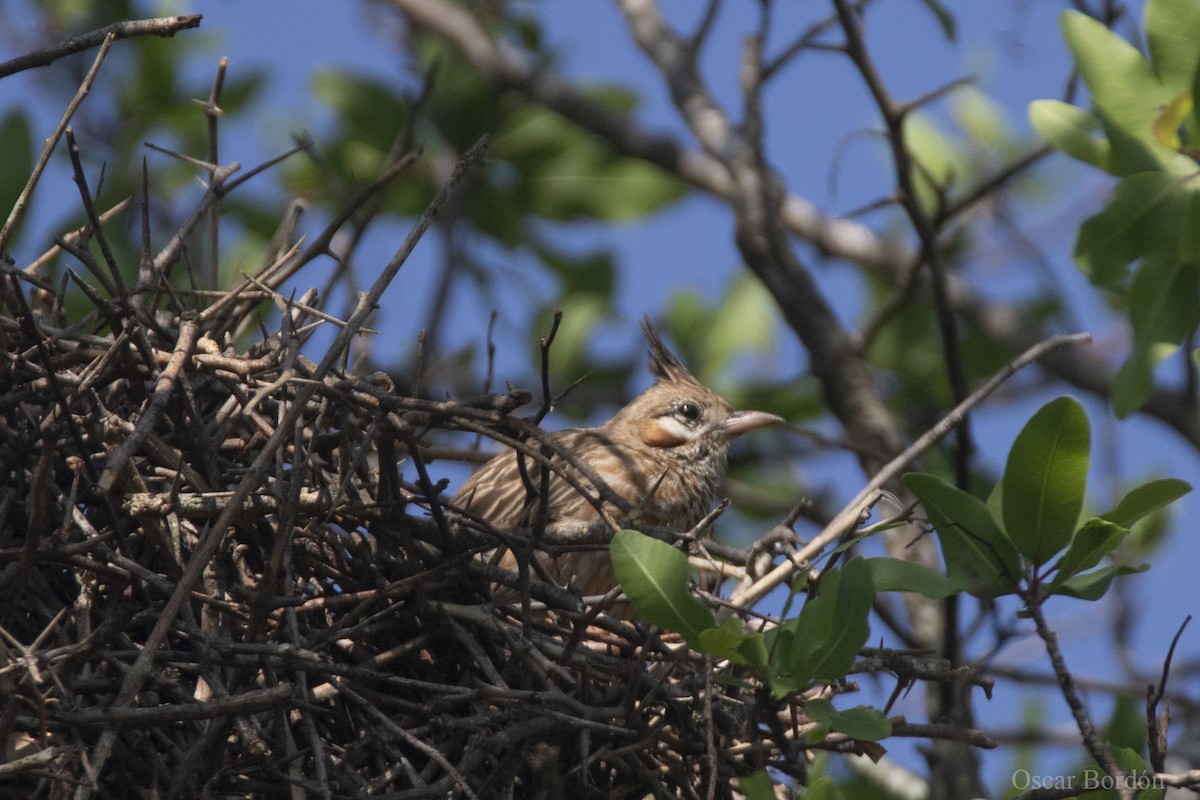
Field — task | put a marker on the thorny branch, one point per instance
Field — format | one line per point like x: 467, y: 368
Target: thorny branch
x: 164, y: 26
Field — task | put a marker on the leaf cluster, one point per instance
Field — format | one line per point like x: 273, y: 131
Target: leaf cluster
x: 1027, y: 539
x: 1144, y: 129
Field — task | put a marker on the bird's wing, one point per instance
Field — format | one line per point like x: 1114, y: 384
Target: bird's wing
x: 497, y: 493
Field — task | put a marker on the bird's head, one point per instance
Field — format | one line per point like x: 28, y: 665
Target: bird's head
x: 679, y: 415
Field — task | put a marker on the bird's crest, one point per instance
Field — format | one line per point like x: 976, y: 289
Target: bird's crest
x: 663, y: 363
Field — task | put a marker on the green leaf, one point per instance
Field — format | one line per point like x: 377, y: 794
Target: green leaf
x: 1045, y: 479
x: 1173, y: 36
x: 1163, y: 300
x: 1163, y: 310
x: 984, y: 120
x: 654, y: 576
x: 754, y: 650
x: 1070, y: 129
x: 1133, y: 385
x: 1094, y: 539
x: 569, y: 174
x: 1126, y: 723
x: 1093, y: 585
x: 1131, y: 762
x: 832, y: 627
x: 1146, y: 499
x: 1141, y: 216
x: 1123, y: 89
x: 744, y: 320
x: 979, y: 555
x: 897, y: 575
x: 724, y: 641
x: 936, y: 160
x: 860, y: 722
x: 370, y: 108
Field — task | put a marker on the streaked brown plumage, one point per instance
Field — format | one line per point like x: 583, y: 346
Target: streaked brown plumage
x: 664, y: 453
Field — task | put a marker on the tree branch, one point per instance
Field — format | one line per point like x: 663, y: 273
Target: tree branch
x: 162, y: 26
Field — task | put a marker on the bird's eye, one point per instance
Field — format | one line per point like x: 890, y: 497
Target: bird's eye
x: 688, y: 411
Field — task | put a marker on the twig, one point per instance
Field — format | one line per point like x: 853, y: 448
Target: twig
x: 18, y: 209
x: 212, y: 113
x: 1156, y: 726
x: 749, y: 594
x: 163, y: 26
x: 163, y: 388
x: 89, y: 208
x: 1091, y: 739
x: 247, y: 702
x: 544, y: 343
x: 369, y: 300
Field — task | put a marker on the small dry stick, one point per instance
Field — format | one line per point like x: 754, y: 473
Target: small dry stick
x: 85, y: 87
x: 162, y: 26
x: 1156, y: 726
x: 1096, y: 746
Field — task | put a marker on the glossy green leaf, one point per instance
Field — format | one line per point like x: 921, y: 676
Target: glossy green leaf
x: 1095, y: 539
x: 832, y: 627
x: 1164, y: 307
x: 1173, y: 38
x: 859, y: 722
x: 754, y: 650
x: 654, y: 576
x: 1146, y: 499
x: 1070, y: 129
x: 979, y: 555
x: 723, y: 641
x: 1045, y: 479
x: 1093, y: 585
x: 897, y: 575
x: 1142, y: 215
x: 1124, y: 90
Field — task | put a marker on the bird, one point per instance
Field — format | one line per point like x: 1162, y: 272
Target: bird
x: 664, y: 454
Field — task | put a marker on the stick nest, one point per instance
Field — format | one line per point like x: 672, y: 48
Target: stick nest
x: 216, y: 583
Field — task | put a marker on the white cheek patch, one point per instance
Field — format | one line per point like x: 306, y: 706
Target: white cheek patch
x: 664, y: 432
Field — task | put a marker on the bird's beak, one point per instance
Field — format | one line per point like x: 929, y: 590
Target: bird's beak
x: 740, y: 422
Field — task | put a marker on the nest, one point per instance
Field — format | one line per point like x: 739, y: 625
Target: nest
x: 216, y: 583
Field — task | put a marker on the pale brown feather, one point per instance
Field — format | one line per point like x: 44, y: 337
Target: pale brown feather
x: 664, y: 454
